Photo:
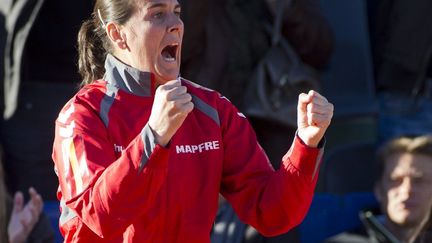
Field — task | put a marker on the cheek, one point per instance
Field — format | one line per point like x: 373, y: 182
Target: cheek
x: 150, y: 48
x: 150, y: 42
x: 152, y: 36
x: 146, y: 39
x: 391, y: 198
x: 147, y: 52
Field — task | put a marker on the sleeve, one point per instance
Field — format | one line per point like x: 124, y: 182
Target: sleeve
x: 271, y: 201
x: 105, y: 193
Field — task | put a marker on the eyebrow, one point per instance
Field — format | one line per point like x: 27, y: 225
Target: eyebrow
x: 161, y: 5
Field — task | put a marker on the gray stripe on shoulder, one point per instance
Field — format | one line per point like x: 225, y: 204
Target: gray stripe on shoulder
x: 106, y: 103
x: 149, y: 142
x: 206, y: 109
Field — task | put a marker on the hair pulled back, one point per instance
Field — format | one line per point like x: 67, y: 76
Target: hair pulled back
x: 93, y: 42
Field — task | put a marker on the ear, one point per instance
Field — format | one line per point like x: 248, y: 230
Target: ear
x: 116, y: 35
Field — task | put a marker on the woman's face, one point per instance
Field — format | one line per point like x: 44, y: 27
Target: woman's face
x: 153, y: 36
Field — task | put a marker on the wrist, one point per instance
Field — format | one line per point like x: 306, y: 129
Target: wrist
x: 309, y: 141
x: 159, y: 138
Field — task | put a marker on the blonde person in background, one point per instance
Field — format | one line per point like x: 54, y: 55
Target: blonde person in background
x: 404, y: 193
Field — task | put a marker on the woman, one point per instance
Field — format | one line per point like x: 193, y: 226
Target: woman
x: 142, y: 154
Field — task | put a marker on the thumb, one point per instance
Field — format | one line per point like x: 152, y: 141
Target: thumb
x: 18, y: 202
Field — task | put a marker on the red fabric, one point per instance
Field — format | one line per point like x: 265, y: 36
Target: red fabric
x: 174, y: 197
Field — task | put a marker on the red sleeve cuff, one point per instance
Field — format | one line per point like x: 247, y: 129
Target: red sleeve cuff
x: 152, y: 154
x: 159, y: 158
x: 306, y: 159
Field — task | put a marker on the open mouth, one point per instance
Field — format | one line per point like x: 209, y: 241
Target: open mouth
x: 169, y: 53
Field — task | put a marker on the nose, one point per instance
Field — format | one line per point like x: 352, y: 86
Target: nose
x: 406, y: 186
x: 175, y: 24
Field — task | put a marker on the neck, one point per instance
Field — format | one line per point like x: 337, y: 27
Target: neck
x: 404, y: 233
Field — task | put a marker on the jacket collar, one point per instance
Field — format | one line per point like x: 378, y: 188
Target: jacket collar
x: 374, y: 227
x: 127, y: 78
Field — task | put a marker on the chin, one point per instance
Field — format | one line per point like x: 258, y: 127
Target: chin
x: 408, y: 221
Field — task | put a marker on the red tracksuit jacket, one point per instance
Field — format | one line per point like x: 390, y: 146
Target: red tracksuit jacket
x: 118, y: 185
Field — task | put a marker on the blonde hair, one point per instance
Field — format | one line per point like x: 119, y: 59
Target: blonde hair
x: 404, y: 144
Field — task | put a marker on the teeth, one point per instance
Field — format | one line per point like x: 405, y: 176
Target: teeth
x: 169, y: 59
x: 169, y: 53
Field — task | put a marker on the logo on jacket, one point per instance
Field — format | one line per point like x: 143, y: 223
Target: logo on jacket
x: 197, y: 148
x: 118, y: 148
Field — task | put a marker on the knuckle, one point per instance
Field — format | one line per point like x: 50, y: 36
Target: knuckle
x: 188, y: 97
x: 312, y: 93
x: 161, y: 88
x: 170, y: 94
x: 189, y: 106
x: 162, y: 93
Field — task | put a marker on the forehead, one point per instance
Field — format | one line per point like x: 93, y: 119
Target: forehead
x: 406, y: 162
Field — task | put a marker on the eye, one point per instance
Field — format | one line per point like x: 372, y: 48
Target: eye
x: 417, y: 180
x: 177, y: 12
x: 394, y: 181
x: 158, y: 15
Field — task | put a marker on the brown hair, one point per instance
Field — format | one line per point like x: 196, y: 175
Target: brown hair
x: 93, y: 42
x: 404, y: 144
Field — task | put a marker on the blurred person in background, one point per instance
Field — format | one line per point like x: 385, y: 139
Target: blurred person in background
x: 402, y: 47
x: 404, y: 193
x: 20, y: 222
x: 37, y: 74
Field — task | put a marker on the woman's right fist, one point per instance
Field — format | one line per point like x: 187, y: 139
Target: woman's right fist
x: 170, y: 108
